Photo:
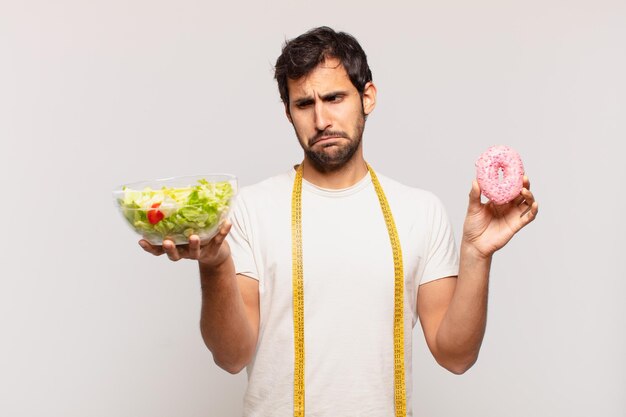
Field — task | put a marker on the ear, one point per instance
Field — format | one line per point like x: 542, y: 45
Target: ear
x: 369, y: 98
x: 288, y: 113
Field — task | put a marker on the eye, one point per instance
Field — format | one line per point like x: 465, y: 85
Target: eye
x: 335, y: 98
x: 304, y: 104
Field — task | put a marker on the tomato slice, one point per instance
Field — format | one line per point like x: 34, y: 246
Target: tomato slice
x: 154, y: 215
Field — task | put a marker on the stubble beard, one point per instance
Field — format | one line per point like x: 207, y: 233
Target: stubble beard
x: 332, y: 157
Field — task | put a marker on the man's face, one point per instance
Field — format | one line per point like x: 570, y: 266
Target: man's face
x: 328, y: 114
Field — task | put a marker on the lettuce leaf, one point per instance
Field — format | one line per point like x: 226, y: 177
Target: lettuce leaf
x: 191, y: 210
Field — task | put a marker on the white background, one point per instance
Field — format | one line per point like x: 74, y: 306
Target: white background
x: 97, y: 93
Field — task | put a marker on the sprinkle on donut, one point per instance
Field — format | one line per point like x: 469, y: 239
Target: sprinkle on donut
x: 496, y: 160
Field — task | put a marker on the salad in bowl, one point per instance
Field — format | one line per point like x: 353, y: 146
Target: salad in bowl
x: 176, y: 208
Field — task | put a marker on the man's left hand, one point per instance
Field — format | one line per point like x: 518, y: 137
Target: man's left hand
x: 488, y: 227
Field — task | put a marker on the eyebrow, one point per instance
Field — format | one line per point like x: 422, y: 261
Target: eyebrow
x: 309, y: 99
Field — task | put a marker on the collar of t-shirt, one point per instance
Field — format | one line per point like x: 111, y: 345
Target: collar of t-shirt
x: 331, y: 192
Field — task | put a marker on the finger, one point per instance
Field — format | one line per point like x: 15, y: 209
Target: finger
x: 194, y: 247
x: 153, y: 249
x: 528, y: 203
x: 534, y: 209
x: 529, y: 197
x: 526, y: 193
x: 474, y: 198
x: 223, y: 232
x: 530, y: 214
x: 520, y: 199
x: 171, y: 250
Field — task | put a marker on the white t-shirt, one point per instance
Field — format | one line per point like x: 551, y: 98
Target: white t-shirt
x: 348, y: 290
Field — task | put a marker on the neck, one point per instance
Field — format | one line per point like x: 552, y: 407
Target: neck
x: 347, y: 175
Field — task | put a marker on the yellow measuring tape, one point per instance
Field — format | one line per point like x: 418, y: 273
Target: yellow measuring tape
x: 298, y: 297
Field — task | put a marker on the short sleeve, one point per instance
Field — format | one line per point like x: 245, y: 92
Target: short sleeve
x: 442, y: 257
x: 239, y: 240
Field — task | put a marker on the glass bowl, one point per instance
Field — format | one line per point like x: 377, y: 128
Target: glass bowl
x: 178, y: 207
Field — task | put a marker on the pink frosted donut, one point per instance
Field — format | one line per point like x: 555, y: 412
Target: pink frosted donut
x: 498, y: 159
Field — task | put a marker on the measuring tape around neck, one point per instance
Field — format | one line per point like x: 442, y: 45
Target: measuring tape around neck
x: 298, y: 297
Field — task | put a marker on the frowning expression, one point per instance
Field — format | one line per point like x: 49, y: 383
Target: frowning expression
x: 328, y: 114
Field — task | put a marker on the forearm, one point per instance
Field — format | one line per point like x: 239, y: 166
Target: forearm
x: 462, y: 329
x: 456, y: 326
x: 224, y: 324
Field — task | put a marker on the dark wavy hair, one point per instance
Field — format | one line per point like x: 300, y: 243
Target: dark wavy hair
x: 301, y: 55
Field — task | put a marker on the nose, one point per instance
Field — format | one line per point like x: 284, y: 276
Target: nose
x: 322, y: 117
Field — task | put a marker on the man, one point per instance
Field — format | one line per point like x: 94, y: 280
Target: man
x: 328, y: 266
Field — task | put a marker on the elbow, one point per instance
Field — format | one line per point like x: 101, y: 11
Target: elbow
x: 231, y: 369
x: 230, y: 366
x: 232, y: 357
x: 458, y: 366
x: 458, y: 369
x: 233, y: 362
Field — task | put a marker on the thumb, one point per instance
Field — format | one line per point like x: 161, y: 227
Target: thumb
x: 223, y: 232
x: 474, y: 198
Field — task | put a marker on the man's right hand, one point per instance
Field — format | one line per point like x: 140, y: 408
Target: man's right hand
x: 211, y: 253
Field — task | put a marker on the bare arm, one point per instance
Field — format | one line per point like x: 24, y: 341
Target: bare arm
x: 453, y: 311
x: 453, y: 314
x: 229, y: 319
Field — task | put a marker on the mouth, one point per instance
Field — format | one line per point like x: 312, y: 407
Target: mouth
x: 323, y: 139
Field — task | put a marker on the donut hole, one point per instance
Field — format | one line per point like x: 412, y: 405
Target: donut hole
x: 499, y: 172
